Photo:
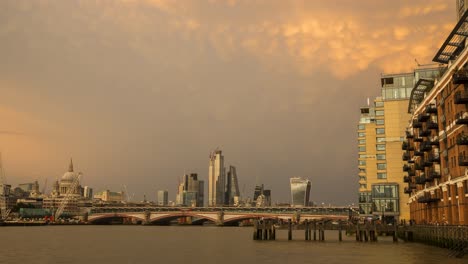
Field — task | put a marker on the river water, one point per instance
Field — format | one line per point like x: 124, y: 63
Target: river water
x: 199, y: 244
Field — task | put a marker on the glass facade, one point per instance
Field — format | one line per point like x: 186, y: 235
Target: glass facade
x: 300, y: 192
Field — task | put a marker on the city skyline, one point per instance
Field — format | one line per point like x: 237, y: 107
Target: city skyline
x: 138, y: 91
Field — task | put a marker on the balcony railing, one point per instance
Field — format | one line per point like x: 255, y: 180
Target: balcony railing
x: 428, y: 199
x: 416, y: 123
x: 421, y: 180
x: 431, y: 109
x: 407, y: 190
x: 434, y: 141
x: 434, y: 174
x: 461, y: 97
x: 406, y: 167
x: 409, y: 134
x: 434, y: 158
x: 418, y: 139
x: 406, y: 179
x: 424, y: 133
x: 405, y: 156
x: 462, y: 140
x: 461, y: 118
x: 462, y: 161
x: 404, y: 145
x: 432, y: 125
x: 425, y: 146
x: 423, y: 117
x: 411, y: 173
x: 460, y: 77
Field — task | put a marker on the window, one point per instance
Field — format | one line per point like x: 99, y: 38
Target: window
x: 362, y: 156
x: 380, y: 121
x: 361, y: 127
x: 362, y: 162
x: 363, y: 186
x: 381, y: 166
x: 362, y: 141
x: 379, y: 104
x: 380, y: 131
x: 362, y: 149
x: 380, y: 147
x: 361, y: 170
x: 380, y: 156
x: 381, y: 176
x: 361, y: 134
x: 379, y: 112
x: 380, y: 139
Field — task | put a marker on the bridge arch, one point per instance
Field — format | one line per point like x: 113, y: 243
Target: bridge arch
x: 237, y: 219
x: 104, y: 217
x: 176, y: 215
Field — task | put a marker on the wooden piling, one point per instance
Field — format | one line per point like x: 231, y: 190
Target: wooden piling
x: 315, y: 230
x: 289, y: 229
x: 340, y: 236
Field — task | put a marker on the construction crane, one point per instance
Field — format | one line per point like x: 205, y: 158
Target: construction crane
x: 127, y: 198
x: 68, y: 196
x: 5, y: 211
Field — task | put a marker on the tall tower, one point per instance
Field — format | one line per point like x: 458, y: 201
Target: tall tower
x: 216, y: 179
x: 232, y: 186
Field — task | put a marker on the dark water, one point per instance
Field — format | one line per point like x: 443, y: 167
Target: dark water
x: 197, y: 244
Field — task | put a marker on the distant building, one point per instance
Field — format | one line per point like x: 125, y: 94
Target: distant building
x: 60, y: 190
x: 163, y: 198
x: 216, y: 179
x: 26, y: 187
x: 190, y: 191
x: 262, y: 197
x: 88, y: 192
x: 108, y: 196
x: 300, y: 192
x: 232, y: 186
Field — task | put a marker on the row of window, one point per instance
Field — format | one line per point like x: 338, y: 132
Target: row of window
x: 378, y: 147
x: 378, y: 156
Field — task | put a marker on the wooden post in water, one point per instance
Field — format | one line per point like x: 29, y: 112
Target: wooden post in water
x: 255, y: 232
x: 323, y: 231
x: 306, y: 230
x: 289, y: 229
x: 340, y: 236
x: 395, y: 232
x: 315, y: 230
x: 265, y: 230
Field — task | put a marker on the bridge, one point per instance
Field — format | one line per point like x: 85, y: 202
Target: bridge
x: 216, y: 215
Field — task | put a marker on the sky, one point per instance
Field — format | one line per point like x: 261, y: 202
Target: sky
x: 139, y: 92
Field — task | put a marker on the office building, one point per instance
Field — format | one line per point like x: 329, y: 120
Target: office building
x: 190, y: 191
x: 437, y: 142
x: 381, y: 131
x: 88, y: 192
x: 232, y: 186
x: 261, y: 196
x: 216, y: 179
x: 300, y: 192
x: 163, y: 198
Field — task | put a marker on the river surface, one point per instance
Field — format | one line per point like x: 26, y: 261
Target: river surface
x: 199, y: 244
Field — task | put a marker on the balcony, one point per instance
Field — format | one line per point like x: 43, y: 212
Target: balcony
x: 412, y: 186
x: 418, y: 139
x: 434, y: 158
x: 406, y: 179
x: 461, y: 97
x: 416, y: 123
x: 409, y: 134
x: 418, y: 153
x: 462, y: 139
x: 434, y: 141
x: 462, y: 118
x: 421, y: 180
x: 418, y: 166
x: 434, y: 174
x: 411, y: 173
x: 432, y: 125
x: 406, y: 167
x: 405, y: 156
x: 424, y: 133
x: 460, y: 77
x: 462, y: 161
x: 423, y: 117
x: 407, y: 190
x: 431, y: 109
x: 425, y: 146
x: 404, y: 145
x: 426, y: 163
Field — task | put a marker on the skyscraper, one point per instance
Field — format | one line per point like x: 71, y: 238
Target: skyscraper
x: 163, y: 198
x: 216, y: 179
x: 300, y: 192
x: 190, y: 191
x: 232, y: 186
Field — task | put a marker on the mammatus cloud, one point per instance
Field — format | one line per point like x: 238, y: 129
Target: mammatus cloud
x: 342, y: 41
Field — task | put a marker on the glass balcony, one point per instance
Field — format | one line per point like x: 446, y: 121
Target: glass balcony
x: 431, y: 109
x: 416, y: 123
x: 423, y: 117
x: 406, y: 179
x: 462, y: 139
x: 462, y: 161
x: 432, y: 125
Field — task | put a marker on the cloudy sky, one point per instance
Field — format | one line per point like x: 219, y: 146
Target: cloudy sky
x: 137, y: 92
